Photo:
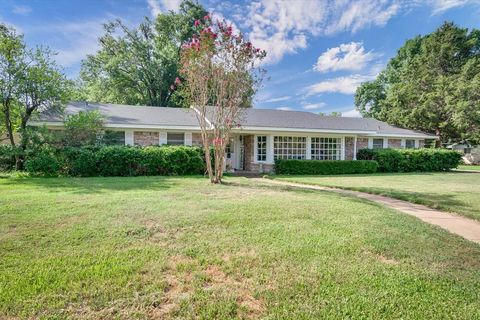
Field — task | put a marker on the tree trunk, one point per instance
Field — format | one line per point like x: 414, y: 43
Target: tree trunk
x: 438, y: 142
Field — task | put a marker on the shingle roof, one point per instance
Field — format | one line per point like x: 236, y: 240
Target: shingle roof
x: 309, y: 120
x: 142, y: 116
x: 131, y: 115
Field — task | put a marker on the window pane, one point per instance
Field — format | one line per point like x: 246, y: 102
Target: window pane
x: 409, y: 144
x: 175, y: 139
x: 377, y: 143
x: 289, y: 147
x: 114, y: 137
x: 326, y: 148
x: 261, y: 148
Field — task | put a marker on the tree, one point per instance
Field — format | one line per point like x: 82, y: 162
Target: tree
x: 221, y: 71
x: 139, y: 66
x: 83, y: 128
x: 432, y: 84
x: 30, y: 82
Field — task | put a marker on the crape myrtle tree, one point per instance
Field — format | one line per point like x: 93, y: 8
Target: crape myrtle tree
x: 432, y: 84
x: 30, y: 82
x: 221, y: 70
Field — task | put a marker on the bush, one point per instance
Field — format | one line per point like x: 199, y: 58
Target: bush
x: 7, y: 157
x: 43, y: 163
x: 410, y: 160
x: 133, y: 161
x: 315, y: 167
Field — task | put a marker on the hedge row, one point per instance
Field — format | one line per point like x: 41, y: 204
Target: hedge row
x: 118, y: 161
x: 316, y: 167
x: 410, y: 160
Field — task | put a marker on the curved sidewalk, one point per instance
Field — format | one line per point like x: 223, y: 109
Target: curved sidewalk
x: 464, y: 227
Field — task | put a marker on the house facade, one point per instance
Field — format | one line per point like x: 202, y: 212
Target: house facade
x: 262, y: 136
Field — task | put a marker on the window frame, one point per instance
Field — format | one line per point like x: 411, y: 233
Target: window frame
x: 412, y: 146
x: 291, y: 147
x: 383, y: 143
x: 261, y: 148
x: 176, y: 144
x: 321, y: 148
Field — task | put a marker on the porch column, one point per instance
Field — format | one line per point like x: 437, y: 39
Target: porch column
x: 188, y: 139
x: 129, y: 138
x: 162, y: 138
x: 269, y: 148
x: 342, y: 156
x: 355, y: 148
x: 308, y: 156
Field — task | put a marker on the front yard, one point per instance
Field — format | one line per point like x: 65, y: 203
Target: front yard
x: 455, y: 192
x: 153, y: 247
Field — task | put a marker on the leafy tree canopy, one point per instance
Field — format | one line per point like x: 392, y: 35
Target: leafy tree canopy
x: 139, y: 66
x: 432, y: 84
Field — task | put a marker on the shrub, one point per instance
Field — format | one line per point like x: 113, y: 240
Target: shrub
x: 315, y: 167
x: 133, y: 161
x: 409, y: 160
x: 43, y: 163
x: 7, y: 157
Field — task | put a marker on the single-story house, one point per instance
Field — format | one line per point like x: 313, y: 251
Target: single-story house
x: 262, y: 136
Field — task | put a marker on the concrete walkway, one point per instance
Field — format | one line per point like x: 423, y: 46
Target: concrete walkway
x: 465, y: 227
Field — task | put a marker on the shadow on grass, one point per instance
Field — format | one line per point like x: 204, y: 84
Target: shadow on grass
x: 95, y: 185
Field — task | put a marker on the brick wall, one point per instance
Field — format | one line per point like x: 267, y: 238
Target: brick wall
x: 145, y: 138
x: 362, y: 143
x: 248, y: 145
x: 395, y: 143
x: 349, y: 148
x: 197, y: 139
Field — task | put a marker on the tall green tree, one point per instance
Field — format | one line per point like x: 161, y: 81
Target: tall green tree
x: 139, y: 66
x: 30, y: 83
x: 432, y: 84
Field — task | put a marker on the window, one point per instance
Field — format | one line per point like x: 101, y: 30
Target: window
x: 114, y: 137
x: 289, y: 147
x: 228, y: 150
x: 409, y: 144
x: 326, y: 148
x: 377, y: 144
x: 175, y: 139
x: 261, y: 148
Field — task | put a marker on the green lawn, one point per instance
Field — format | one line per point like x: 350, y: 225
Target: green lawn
x: 465, y: 167
x: 456, y: 192
x: 152, y: 247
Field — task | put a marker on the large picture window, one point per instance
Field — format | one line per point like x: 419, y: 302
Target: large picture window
x: 289, y: 147
x: 261, y: 148
x: 326, y: 148
x: 175, y: 139
x: 409, y: 144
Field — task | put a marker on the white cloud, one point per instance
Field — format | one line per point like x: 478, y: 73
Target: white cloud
x: 440, y: 6
x: 22, y: 10
x: 347, y: 56
x: 278, y: 99
x: 314, y: 106
x: 345, y: 85
x: 158, y: 6
x: 285, y: 108
x: 356, y: 15
x: 154, y: 7
x: 351, y: 113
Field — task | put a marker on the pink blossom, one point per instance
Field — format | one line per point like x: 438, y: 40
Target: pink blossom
x: 207, y: 17
x: 197, y: 23
x: 177, y: 81
x: 172, y: 87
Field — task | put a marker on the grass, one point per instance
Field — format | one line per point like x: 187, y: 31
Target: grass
x: 469, y: 167
x: 455, y: 192
x: 152, y: 247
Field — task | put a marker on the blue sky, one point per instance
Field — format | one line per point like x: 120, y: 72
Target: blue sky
x: 318, y: 51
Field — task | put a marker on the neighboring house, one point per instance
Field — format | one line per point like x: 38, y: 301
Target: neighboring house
x: 471, y: 153
x: 263, y: 135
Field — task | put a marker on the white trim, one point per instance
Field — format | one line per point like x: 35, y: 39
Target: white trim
x: 342, y: 154
x: 162, y: 138
x: 370, y: 143
x: 403, y: 144
x: 187, y: 139
x: 308, y: 156
x: 385, y: 143
x: 417, y: 144
x: 270, y: 149
x: 255, y: 148
x: 355, y: 148
x: 250, y: 130
x: 129, y: 140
